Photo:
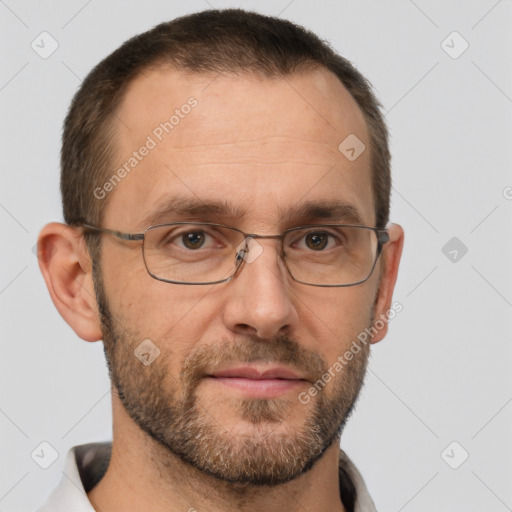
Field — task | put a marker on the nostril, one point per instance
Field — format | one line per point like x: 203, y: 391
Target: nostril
x: 246, y: 329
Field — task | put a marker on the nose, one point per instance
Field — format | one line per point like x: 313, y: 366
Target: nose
x: 259, y: 297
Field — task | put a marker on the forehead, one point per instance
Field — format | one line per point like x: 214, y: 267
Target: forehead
x: 255, y: 143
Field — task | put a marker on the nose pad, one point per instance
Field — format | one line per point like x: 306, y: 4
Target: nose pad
x: 249, y: 250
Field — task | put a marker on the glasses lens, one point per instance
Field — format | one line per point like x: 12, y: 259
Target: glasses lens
x: 327, y: 255
x: 191, y: 252
x: 331, y: 255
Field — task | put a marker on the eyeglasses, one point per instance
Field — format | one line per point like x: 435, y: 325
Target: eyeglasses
x: 207, y: 253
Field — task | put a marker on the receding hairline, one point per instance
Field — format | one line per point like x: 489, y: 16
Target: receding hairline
x: 165, y: 66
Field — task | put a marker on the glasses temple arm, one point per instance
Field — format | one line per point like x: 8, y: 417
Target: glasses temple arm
x: 118, y: 234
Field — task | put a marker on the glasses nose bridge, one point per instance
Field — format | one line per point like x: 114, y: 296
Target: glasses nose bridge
x: 255, y: 236
x: 248, y: 256
x: 259, y: 237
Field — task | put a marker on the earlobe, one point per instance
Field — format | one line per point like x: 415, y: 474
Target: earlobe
x: 392, y: 253
x: 67, y: 270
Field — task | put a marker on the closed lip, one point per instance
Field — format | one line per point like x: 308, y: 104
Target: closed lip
x: 250, y: 372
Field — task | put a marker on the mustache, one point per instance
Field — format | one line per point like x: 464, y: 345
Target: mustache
x: 279, y: 349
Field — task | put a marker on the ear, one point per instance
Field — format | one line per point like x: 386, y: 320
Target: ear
x: 391, y: 253
x: 67, y: 270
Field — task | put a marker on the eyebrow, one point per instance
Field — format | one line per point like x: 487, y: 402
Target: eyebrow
x: 177, y: 207
x: 335, y: 211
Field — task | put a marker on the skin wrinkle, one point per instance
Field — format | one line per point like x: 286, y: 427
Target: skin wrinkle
x: 257, y: 144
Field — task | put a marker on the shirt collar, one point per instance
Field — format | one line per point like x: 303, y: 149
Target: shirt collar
x: 86, y: 464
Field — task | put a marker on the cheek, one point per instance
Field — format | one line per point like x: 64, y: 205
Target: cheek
x: 172, y: 316
x: 335, y: 317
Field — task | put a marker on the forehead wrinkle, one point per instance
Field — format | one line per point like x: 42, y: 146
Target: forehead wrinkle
x: 258, y: 141
x: 267, y: 149
x: 234, y: 162
x: 183, y: 160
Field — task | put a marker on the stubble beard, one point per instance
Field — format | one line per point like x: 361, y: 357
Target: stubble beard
x: 168, y: 409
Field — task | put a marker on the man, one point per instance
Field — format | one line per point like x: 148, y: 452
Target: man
x: 225, y: 184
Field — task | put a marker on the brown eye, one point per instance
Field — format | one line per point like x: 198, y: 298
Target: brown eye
x: 193, y: 239
x: 317, y: 241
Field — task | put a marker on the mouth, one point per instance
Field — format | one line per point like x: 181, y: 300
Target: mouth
x: 258, y: 382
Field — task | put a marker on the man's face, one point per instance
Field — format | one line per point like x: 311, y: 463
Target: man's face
x: 262, y: 148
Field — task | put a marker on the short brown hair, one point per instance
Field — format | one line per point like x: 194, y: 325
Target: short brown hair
x: 229, y: 40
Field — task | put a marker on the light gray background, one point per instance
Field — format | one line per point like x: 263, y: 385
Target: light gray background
x: 443, y: 372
